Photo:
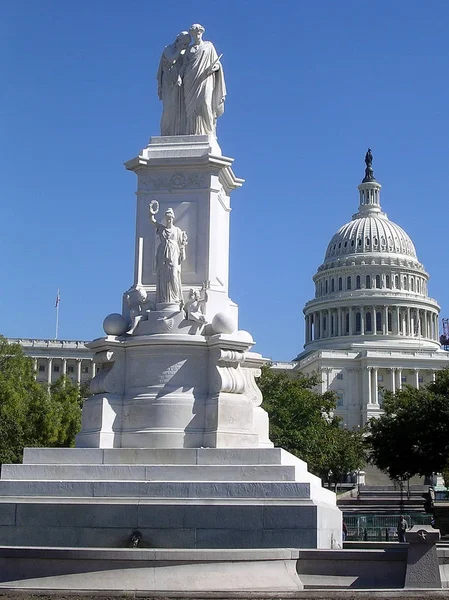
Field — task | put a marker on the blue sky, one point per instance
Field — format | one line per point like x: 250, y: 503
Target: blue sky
x: 310, y: 86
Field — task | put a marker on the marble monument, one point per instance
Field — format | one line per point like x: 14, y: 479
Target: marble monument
x: 174, y: 448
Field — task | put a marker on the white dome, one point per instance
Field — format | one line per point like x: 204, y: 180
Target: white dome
x: 372, y: 233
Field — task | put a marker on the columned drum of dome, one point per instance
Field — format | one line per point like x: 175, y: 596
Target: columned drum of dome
x: 371, y: 325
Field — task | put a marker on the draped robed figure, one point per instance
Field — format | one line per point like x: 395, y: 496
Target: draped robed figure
x: 204, y: 85
x: 173, y: 121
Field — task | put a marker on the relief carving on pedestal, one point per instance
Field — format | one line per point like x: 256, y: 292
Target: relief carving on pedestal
x: 172, y: 181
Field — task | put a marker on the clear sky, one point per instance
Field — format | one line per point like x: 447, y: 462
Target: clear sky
x: 311, y: 84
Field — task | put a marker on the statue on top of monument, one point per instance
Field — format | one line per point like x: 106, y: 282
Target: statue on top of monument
x: 195, y: 87
x: 369, y: 173
x: 169, y: 255
x: 169, y: 83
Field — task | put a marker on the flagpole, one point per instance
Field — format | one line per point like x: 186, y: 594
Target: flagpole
x: 57, y: 315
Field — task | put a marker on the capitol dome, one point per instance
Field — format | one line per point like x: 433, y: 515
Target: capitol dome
x: 371, y: 288
x: 373, y: 233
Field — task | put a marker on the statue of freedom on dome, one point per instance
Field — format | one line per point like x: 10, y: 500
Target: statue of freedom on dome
x: 199, y: 80
x: 369, y: 173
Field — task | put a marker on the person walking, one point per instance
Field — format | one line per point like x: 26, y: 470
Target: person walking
x: 401, y: 529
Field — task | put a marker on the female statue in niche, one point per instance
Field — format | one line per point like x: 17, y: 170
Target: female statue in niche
x: 203, y: 83
x: 169, y: 86
x: 169, y: 256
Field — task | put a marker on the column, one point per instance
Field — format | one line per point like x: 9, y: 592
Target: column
x: 416, y: 372
x: 393, y: 380
x: 385, y: 323
x: 369, y: 384
x: 397, y: 326
x: 49, y: 368
x: 94, y: 369
x: 408, y: 329
x: 339, y: 321
x: 362, y: 320
x: 433, y: 376
x: 78, y: 370
x: 351, y: 321
x: 35, y: 365
x: 375, y: 394
x: 399, y: 379
x: 328, y: 321
x: 373, y: 320
x: 64, y: 367
x: 321, y: 325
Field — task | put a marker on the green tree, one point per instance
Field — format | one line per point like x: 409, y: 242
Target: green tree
x: 30, y: 413
x: 411, y: 437
x: 302, y: 422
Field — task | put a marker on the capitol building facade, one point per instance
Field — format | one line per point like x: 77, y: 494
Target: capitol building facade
x: 371, y: 325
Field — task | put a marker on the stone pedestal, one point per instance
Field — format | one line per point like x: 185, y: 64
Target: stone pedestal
x: 175, y: 391
x: 176, y: 498
x: 423, y: 569
x: 189, y: 175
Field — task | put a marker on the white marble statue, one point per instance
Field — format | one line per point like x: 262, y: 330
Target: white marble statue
x: 169, y: 256
x: 173, y: 121
x: 135, y: 299
x: 195, y: 306
x: 203, y: 83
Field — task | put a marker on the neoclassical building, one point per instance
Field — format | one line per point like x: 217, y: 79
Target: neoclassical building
x: 371, y: 325
x: 54, y: 358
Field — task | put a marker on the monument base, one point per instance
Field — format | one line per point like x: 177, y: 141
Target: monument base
x: 205, y: 498
x: 186, y: 571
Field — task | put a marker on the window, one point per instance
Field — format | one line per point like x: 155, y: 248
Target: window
x: 340, y: 284
x: 332, y: 324
x: 85, y: 369
x: 348, y: 282
x: 340, y: 400
x: 368, y: 324
x: 403, y: 379
x: 340, y: 376
x: 324, y: 324
x: 421, y: 379
x: 332, y: 285
x: 368, y: 282
x: 56, y: 369
x: 405, y: 283
x: 396, y: 282
x: 358, y: 322
x: 412, y: 284
x: 70, y: 369
x: 380, y: 378
x: 326, y: 287
x: 367, y: 241
x: 41, y: 368
x: 357, y: 282
x: 387, y: 281
x: 390, y: 322
x: 347, y: 323
x: 378, y: 321
x: 378, y: 281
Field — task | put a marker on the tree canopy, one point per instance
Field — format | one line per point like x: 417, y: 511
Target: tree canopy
x: 302, y: 422
x: 411, y: 437
x: 30, y: 413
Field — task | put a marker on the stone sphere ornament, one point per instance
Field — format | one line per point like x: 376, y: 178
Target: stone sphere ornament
x: 223, y: 323
x: 115, y: 324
